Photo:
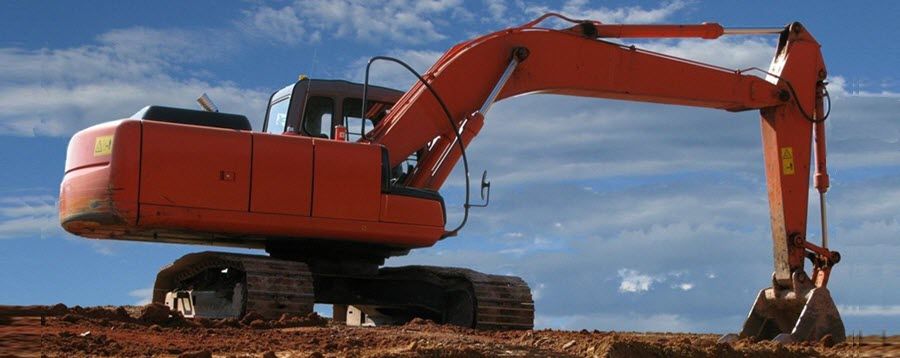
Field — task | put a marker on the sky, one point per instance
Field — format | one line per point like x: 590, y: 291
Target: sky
x: 621, y: 216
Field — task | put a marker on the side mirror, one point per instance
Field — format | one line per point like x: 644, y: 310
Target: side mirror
x: 485, y: 191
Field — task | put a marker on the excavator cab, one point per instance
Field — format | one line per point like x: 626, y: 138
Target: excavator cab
x: 317, y: 108
x: 313, y: 108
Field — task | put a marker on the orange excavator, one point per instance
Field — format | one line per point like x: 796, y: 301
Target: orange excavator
x: 344, y: 175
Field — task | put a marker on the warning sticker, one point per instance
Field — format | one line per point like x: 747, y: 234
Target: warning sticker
x: 787, y: 160
x: 103, y: 145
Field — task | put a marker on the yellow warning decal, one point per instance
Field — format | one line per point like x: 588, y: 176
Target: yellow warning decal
x: 787, y: 160
x: 103, y: 145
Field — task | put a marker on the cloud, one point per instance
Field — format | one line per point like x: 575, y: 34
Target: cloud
x: 28, y: 216
x: 870, y: 310
x: 143, y: 295
x: 734, y: 52
x: 33, y: 214
x: 634, y: 322
x: 170, y: 46
x: 497, y: 10
x: 56, y: 92
x: 411, y: 22
x: 392, y: 75
x: 537, y: 292
x: 580, y: 9
x: 633, y: 281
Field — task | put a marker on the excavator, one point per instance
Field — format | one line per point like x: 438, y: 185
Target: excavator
x: 345, y: 175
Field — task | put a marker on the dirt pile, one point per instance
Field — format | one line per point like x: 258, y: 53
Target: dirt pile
x: 152, y: 331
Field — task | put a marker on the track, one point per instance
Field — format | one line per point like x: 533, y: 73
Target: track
x: 501, y: 302
x: 232, y: 285
x: 269, y: 287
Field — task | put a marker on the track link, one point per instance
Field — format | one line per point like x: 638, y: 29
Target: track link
x: 270, y: 287
x: 500, y: 302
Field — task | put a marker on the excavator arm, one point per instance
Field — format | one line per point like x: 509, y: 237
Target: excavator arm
x: 577, y: 61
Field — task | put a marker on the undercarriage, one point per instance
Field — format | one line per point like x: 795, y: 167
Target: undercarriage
x: 222, y: 285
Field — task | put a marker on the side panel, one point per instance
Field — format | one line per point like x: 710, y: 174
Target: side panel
x: 407, y: 210
x: 197, y: 167
x: 282, y: 174
x: 347, y: 182
x: 100, y: 184
x: 249, y: 229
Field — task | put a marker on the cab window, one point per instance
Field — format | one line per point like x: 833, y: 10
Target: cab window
x: 356, y: 125
x: 317, y: 117
x: 277, y: 116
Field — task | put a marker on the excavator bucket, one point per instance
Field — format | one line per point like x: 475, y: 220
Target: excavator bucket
x: 806, y: 313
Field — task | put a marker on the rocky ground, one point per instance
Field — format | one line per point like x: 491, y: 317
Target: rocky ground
x: 152, y: 331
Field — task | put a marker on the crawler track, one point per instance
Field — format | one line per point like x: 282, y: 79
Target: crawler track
x: 500, y: 302
x: 271, y: 287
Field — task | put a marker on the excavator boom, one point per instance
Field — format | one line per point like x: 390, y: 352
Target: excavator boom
x: 576, y: 62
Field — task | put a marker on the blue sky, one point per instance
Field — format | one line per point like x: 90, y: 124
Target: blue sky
x: 627, y: 217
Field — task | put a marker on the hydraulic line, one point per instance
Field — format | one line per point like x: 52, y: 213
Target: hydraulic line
x: 453, y: 125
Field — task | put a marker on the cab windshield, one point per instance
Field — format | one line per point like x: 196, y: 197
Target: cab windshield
x: 278, y: 116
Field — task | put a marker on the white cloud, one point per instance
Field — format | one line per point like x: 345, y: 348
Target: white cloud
x: 497, y: 9
x: 537, y: 291
x: 633, y: 321
x: 28, y: 216
x: 278, y: 25
x: 412, y: 22
x: 581, y: 10
x: 869, y: 310
x: 734, y: 52
x: 686, y: 286
x: 168, y: 46
x: 392, y: 75
x: 143, y: 295
x: 634, y: 282
x: 58, y: 91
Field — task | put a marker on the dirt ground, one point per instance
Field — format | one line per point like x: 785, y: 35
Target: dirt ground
x: 148, y: 331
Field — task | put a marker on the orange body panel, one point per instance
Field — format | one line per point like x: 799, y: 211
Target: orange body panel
x: 194, y: 185
x: 282, y: 174
x: 197, y: 167
x: 347, y: 180
x: 243, y: 226
x: 99, y: 188
x: 404, y: 209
